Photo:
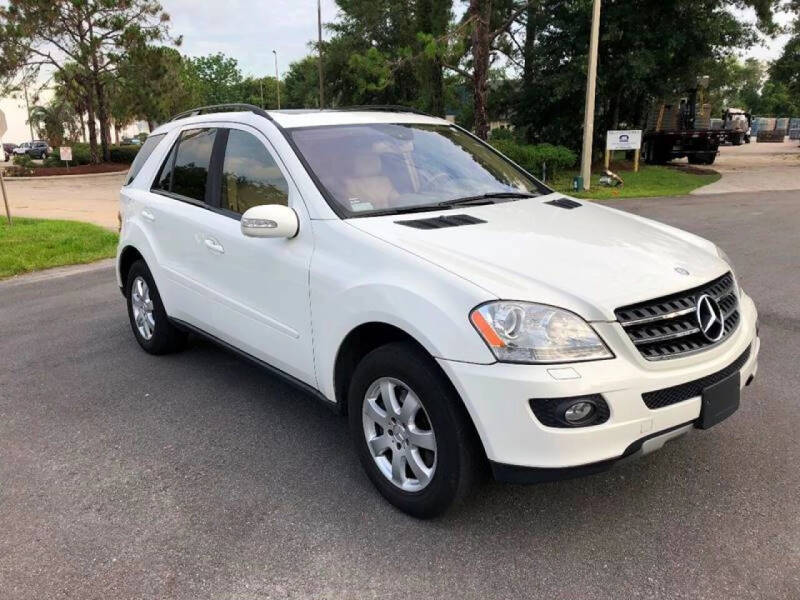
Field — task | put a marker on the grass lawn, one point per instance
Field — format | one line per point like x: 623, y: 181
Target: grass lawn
x: 649, y: 181
x: 33, y: 244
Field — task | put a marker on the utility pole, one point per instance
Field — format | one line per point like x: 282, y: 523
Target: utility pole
x: 277, y: 79
x: 319, y: 49
x: 591, y: 80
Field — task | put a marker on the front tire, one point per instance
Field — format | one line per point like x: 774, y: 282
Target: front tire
x: 411, y: 431
x: 149, y: 322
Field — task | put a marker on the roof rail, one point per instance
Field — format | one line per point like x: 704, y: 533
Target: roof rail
x: 383, y: 108
x: 215, y: 108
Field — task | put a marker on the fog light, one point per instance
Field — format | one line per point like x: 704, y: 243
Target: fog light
x: 579, y: 412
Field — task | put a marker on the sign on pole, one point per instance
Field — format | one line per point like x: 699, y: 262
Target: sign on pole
x: 3, y: 124
x: 630, y: 139
x: 65, y: 154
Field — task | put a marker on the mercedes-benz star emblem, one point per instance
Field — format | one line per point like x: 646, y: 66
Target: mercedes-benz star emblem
x: 710, y: 318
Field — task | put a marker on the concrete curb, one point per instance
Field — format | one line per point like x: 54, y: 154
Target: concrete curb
x: 57, y: 272
x: 52, y: 177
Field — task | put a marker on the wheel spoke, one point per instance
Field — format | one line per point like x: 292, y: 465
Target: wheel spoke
x: 373, y: 411
x: 379, y: 444
x: 388, y: 393
x: 398, y: 468
x: 420, y: 470
x: 409, y: 409
x: 422, y: 439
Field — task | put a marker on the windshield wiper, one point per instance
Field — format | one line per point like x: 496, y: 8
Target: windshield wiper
x: 483, y: 198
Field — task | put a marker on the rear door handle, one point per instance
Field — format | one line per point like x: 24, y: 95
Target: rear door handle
x: 214, y: 245
x: 148, y: 214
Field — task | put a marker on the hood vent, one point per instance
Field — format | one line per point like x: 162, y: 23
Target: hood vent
x: 565, y: 203
x: 441, y: 222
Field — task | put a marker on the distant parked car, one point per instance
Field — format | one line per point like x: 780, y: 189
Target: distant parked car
x: 8, y: 149
x: 34, y: 149
x: 127, y: 141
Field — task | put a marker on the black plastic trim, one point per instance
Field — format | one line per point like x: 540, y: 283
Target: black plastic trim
x: 301, y: 385
x: 516, y: 474
x: 442, y: 222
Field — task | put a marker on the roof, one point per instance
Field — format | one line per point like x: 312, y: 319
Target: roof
x: 292, y: 118
x: 319, y: 118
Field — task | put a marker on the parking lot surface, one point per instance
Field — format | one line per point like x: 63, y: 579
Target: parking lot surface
x: 197, y: 475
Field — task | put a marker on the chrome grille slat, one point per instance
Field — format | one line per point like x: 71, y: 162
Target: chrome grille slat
x: 667, y: 328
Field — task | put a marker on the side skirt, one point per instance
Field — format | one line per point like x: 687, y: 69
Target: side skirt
x: 300, y: 385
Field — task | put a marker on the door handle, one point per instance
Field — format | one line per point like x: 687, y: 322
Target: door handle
x: 148, y: 214
x: 214, y: 245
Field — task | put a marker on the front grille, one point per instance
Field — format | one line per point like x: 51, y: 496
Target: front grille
x: 691, y: 389
x: 667, y: 327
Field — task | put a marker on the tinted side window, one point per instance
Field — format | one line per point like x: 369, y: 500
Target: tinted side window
x: 141, y: 157
x: 190, y: 172
x: 250, y: 176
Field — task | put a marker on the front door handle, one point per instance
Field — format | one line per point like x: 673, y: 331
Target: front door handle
x: 148, y: 214
x: 214, y: 245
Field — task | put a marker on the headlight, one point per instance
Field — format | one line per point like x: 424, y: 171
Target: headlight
x: 523, y: 332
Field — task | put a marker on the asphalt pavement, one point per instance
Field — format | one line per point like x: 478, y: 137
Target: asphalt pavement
x: 197, y: 475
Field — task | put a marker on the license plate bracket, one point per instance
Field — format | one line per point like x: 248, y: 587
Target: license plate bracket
x: 720, y: 401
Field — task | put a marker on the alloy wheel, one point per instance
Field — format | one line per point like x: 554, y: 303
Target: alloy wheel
x: 399, y: 434
x: 142, y: 307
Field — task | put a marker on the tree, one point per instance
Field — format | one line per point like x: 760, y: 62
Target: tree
x: 92, y: 34
x: 52, y: 121
x: 218, y: 77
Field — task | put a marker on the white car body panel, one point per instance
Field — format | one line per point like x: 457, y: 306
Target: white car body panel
x: 292, y: 302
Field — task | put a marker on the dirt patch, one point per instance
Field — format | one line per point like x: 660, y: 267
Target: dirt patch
x: 76, y: 170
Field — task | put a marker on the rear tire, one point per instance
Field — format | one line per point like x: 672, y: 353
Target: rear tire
x: 149, y: 321
x: 424, y: 464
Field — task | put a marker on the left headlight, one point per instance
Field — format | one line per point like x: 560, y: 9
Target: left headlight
x: 524, y: 332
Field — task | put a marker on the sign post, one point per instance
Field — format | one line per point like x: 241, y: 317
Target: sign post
x: 3, y: 129
x: 65, y: 154
x: 630, y: 139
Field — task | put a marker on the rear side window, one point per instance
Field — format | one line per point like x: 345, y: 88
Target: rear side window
x: 250, y: 176
x: 141, y: 157
x: 190, y: 173
x: 185, y: 171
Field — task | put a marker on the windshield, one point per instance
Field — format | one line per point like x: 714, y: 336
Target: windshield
x: 391, y: 168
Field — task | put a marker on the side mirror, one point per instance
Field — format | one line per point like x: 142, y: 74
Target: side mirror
x: 270, y: 221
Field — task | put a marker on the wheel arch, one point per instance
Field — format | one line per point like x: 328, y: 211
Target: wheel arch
x: 127, y: 256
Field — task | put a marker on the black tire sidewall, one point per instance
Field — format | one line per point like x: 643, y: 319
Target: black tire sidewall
x: 163, y: 338
x: 454, y: 468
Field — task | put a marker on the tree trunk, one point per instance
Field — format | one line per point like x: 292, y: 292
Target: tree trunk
x: 83, y: 127
x: 480, y: 10
x: 150, y: 124
x: 102, y: 109
x: 92, y: 124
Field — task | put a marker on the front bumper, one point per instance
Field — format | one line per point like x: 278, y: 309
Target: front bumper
x: 497, y: 398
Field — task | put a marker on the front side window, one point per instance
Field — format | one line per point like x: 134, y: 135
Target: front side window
x: 383, y: 167
x: 250, y: 176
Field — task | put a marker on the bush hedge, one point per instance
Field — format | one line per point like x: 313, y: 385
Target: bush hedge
x: 81, y: 155
x: 531, y: 157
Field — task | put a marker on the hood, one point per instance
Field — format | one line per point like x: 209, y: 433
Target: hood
x: 590, y: 259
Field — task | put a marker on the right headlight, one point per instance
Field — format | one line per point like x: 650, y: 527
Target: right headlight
x: 524, y: 332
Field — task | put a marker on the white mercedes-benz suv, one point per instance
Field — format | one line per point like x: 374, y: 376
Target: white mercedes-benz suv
x: 460, y: 312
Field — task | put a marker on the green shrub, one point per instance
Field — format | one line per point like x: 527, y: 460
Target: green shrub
x: 124, y: 154
x: 501, y: 133
x: 23, y: 160
x: 531, y: 157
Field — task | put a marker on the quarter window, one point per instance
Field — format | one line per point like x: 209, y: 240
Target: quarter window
x: 141, y: 157
x: 250, y: 176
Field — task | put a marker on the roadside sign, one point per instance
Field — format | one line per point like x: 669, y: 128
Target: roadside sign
x: 3, y: 124
x: 65, y: 153
x: 624, y: 140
